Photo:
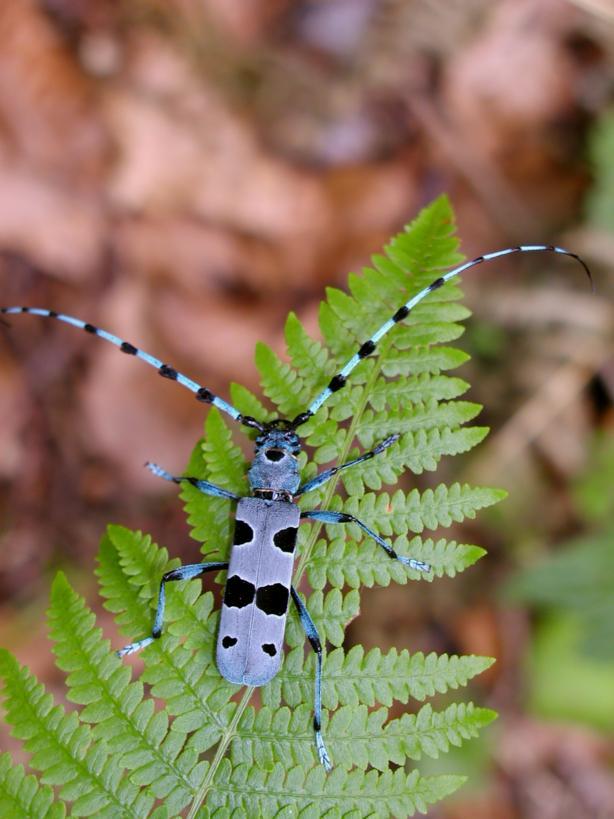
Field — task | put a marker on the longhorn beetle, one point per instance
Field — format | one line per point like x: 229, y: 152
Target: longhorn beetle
x: 259, y: 579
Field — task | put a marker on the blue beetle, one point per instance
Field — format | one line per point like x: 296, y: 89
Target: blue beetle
x: 259, y: 581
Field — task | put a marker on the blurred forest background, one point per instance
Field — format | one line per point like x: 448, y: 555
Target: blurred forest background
x: 184, y: 172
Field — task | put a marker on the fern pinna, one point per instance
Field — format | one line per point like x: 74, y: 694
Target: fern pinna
x: 193, y: 744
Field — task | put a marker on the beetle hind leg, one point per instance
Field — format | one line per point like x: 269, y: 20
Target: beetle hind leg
x: 314, y: 638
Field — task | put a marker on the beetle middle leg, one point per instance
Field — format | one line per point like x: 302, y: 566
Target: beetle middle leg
x: 342, y: 517
x: 187, y: 572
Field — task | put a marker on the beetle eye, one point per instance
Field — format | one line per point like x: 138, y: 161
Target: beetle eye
x: 274, y: 454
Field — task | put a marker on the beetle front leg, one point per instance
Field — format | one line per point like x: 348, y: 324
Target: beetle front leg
x: 320, y: 479
x: 203, y: 486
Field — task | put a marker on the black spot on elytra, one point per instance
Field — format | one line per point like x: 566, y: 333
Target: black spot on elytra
x: 239, y: 593
x: 243, y: 533
x: 401, y: 313
x: 285, y: 539
x: 269, y: 649
x: 273, y: 599
x: 228, y: 642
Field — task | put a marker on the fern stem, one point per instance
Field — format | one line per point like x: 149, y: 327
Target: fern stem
x: 220, y: 752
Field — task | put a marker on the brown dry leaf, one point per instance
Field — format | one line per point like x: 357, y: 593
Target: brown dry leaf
x: 492, y: 801
x: 477, y: 631
x: 53, y: 147
x: 513, y: 96
x: 369, y: 203
x: 215, y: 168
x: 245, y: 22
x: 556, y: 771
x: 58, y: 229
x: 12, y: 413
x: 47, y: 106
x: 199, y: 260
x: 128, y: 415
x: 220, y: 341
x: 489, y: 81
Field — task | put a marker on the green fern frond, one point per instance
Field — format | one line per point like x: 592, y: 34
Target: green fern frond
x: 355, y: 735
x: 244, y: 790
x: 354, y: 678
x: 181, y: 740
x: 65, y: 752
x: 219, y: 460
x: 417, y: 511
x: 345, y: 563
x: 135, y: 732
x: 22, y: 795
